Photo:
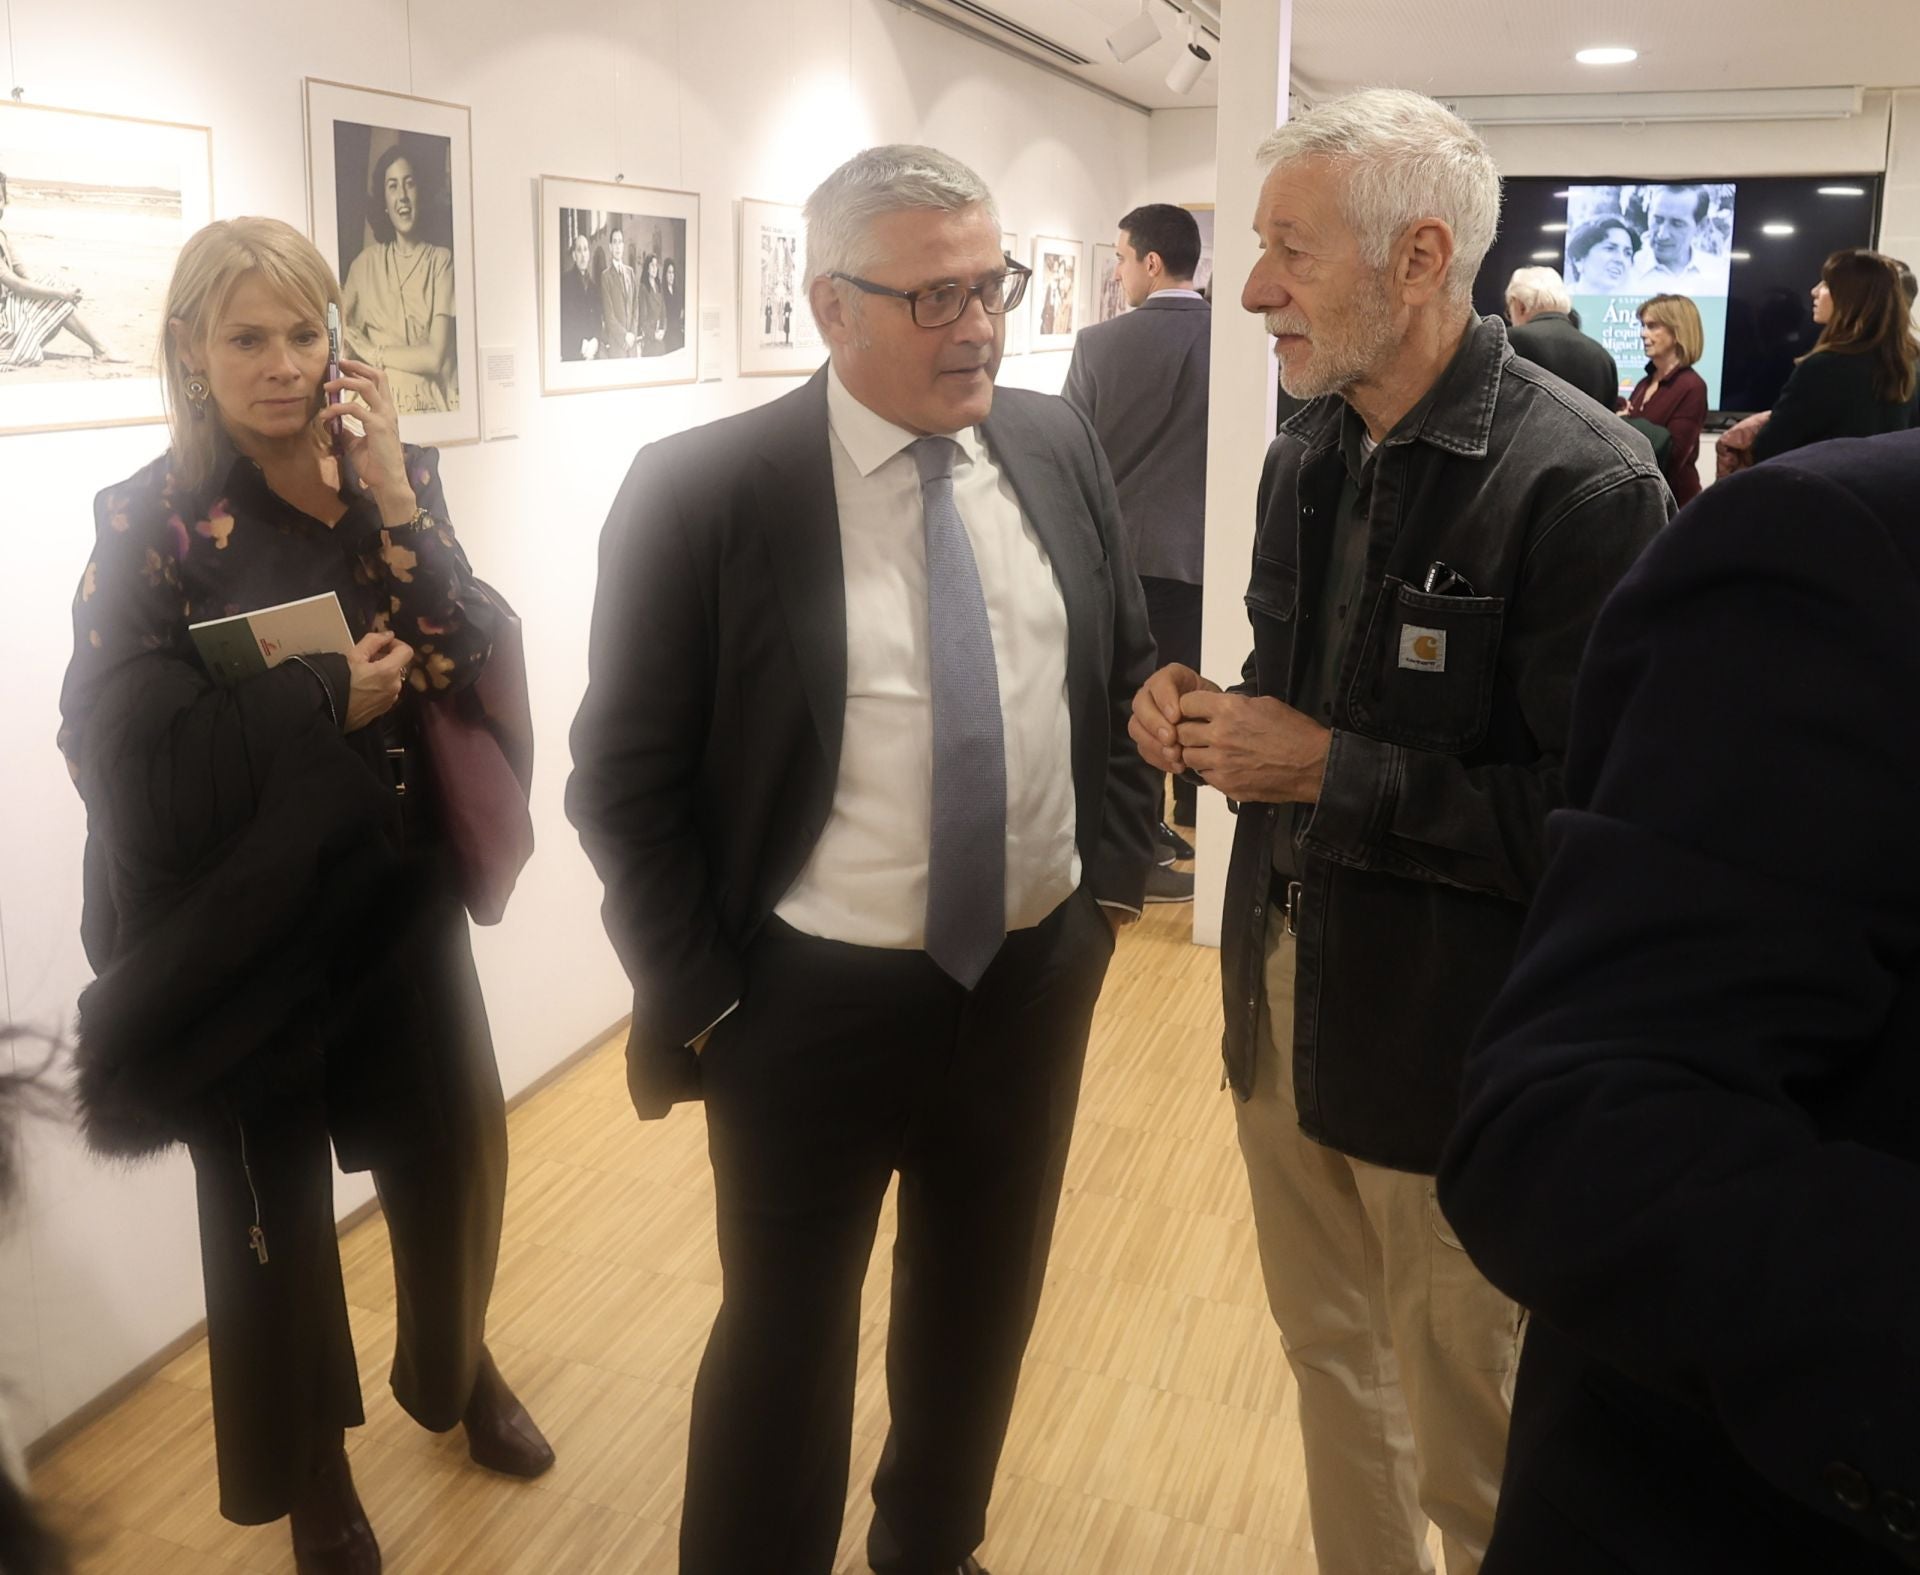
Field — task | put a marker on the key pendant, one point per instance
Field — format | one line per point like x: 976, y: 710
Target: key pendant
x: 257, y: 1239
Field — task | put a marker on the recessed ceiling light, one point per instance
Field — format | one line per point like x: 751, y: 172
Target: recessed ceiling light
x: 1609, y: 56
x: 1563, y: 194
x: 1546, y: 256
x: 1741, y: 256
x: 1776, y: 228
x: 1552, y: 229
x: 1842, y: 191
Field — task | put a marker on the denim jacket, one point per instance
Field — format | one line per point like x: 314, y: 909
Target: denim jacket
x: 1450, y: 720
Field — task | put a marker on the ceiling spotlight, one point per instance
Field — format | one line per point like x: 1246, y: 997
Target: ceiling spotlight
x: 1553, y: 229
x: 1546, y: 256
x: 1776, y: 228
x: 1842, y: 191
x: 1192, y: 60
x: 1609, y: 56
x: 1135, y: 37
x: 1741, y: 256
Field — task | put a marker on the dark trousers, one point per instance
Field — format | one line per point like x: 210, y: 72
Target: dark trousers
x: 1173, y: 618
x: 843, y: 1065
x: 285, y: 1383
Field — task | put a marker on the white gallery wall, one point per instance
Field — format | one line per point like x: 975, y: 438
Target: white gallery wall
x: 732, y: 98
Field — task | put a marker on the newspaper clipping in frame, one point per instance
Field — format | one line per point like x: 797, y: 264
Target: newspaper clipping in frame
x: 1627, y: 243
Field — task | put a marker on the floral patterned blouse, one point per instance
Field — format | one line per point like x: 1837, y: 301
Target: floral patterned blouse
x: 165, y: 557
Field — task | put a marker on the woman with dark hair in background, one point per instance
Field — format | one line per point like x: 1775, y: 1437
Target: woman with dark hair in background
x: 1672, y: 396
x: 676, y: 309
x: 398, y: 303
x: 27, y: 1547
x: 1858, y: 379
x: 1600, y: 255
x: 271, y: 905
x: 653, y: 308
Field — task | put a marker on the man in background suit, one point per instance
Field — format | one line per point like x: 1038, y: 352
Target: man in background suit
x: 853, y: 765
x: 1544, y: 332
x: 619, y: 301
x: 1141, y: 379
x: 579, y: 305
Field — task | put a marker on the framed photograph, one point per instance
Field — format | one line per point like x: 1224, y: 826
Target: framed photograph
x: 390, y: 205
x: 1016, y: 340
x: 619, y: 286
x: 778, y: 337
x: 1056, y: 292
x: 93, y: 212
x: 1109, y: 295
x: 1203, y: 216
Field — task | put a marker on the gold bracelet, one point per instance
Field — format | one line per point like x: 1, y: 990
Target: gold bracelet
x: 421, y: 519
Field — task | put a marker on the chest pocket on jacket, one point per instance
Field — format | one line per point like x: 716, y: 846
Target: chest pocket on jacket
x: 1426, y: 676
x: 1273, y: 599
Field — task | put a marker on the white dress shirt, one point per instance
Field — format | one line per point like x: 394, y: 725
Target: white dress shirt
x: 866, y: 882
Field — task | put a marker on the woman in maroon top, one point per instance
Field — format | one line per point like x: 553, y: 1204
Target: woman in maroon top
x: 1672, y: 394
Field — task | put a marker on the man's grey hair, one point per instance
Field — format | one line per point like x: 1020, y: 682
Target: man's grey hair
x: 1539, y: 290
x: 876, y: 182
x: 1405, y: 157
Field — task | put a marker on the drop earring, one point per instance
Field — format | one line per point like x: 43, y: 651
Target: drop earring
x: 197, y: 392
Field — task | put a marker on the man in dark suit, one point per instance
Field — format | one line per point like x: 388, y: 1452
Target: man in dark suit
x: 619, y: 301
x: 853, y: 765
x: 1543, y: 331
x: 1141, y: 380
x: 1691, y: 1139
x: 579, y: 305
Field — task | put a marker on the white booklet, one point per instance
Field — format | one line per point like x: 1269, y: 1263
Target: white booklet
x: 249, y: 644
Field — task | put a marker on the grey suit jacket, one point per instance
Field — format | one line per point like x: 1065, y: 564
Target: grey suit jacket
x: 708, y: 745
x: 1141, y: 380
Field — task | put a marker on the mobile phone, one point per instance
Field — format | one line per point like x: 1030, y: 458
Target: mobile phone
x: 333, y: 374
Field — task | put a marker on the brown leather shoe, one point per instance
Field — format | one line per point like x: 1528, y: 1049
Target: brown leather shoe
x: 331, y: 1534
x: 500, y: 1434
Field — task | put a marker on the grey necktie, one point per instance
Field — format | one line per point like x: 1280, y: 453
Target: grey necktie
x: 967, y: 862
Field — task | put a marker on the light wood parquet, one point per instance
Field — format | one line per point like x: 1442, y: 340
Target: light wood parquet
x: 1154, y: 1432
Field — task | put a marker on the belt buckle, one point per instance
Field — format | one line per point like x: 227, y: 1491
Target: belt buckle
x: 1292, y: 911
x: 398, y: 764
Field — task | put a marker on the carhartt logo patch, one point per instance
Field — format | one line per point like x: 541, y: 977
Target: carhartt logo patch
x: 1423, y: 650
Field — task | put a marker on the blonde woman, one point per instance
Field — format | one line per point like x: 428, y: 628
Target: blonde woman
x: 284, y: 966
x: 1672, y: 395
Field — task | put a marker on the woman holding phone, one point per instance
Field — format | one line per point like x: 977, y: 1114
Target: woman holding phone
x: 284, y: 965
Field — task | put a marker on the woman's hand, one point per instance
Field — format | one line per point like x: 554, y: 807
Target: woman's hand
x: 379, y: 666
x: 374, y: 452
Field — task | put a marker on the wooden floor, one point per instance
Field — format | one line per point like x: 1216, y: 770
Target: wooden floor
x: 1154, y: 1431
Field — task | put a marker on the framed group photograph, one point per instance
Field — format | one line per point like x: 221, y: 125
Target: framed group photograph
x: 1056, y: 292
x: 619, y: 286
x: 390, y: 205
x: 1015, y: 342
x: 778, y: 337
x: 93, y: 212
x: 1109, y: 294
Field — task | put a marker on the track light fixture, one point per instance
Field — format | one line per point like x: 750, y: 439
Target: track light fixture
x: 1135, y: 37
x: 1191, y: 62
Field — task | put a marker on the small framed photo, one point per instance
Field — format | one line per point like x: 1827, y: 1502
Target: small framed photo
x: 778, y: 336
x: 619, y: 286
x: 390, y: 205
x: 1056, y: 292
x: 93, y: 212
x: 1203, y: 216
x: 1016, y: 340
x: 1109, y: 295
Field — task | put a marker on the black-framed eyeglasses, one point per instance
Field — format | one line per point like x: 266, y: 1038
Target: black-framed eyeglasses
x: 999, y: 294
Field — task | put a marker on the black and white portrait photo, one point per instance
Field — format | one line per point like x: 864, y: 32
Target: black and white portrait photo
x: 778, y: 337
x: 618, y: 281
x: 391, y: 191
x: 93, y: 211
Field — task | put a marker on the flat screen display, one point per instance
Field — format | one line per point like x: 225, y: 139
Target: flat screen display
x: 1747, y: 253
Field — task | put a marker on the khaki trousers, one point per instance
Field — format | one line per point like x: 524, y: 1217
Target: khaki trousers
x: 1403, y: 1354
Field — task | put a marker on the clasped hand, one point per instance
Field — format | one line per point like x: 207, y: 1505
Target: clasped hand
x: 1253, y: 748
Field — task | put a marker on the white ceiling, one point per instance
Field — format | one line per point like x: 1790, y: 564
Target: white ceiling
x: 1521, y: 46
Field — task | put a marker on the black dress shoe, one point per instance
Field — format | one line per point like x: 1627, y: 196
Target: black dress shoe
x: 1167, y: 884
x: 500, y: 1434
x: 331, y: 1534
x: 1170, y: 844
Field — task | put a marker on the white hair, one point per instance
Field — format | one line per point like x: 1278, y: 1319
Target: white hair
x: 876, y: 182
x: 1538, y: 290
x: 1406, y: 157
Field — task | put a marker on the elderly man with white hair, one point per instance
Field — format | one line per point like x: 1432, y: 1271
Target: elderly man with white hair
x: 1544, y: 332
x: 854, y: 766
x: 1437, y: 530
